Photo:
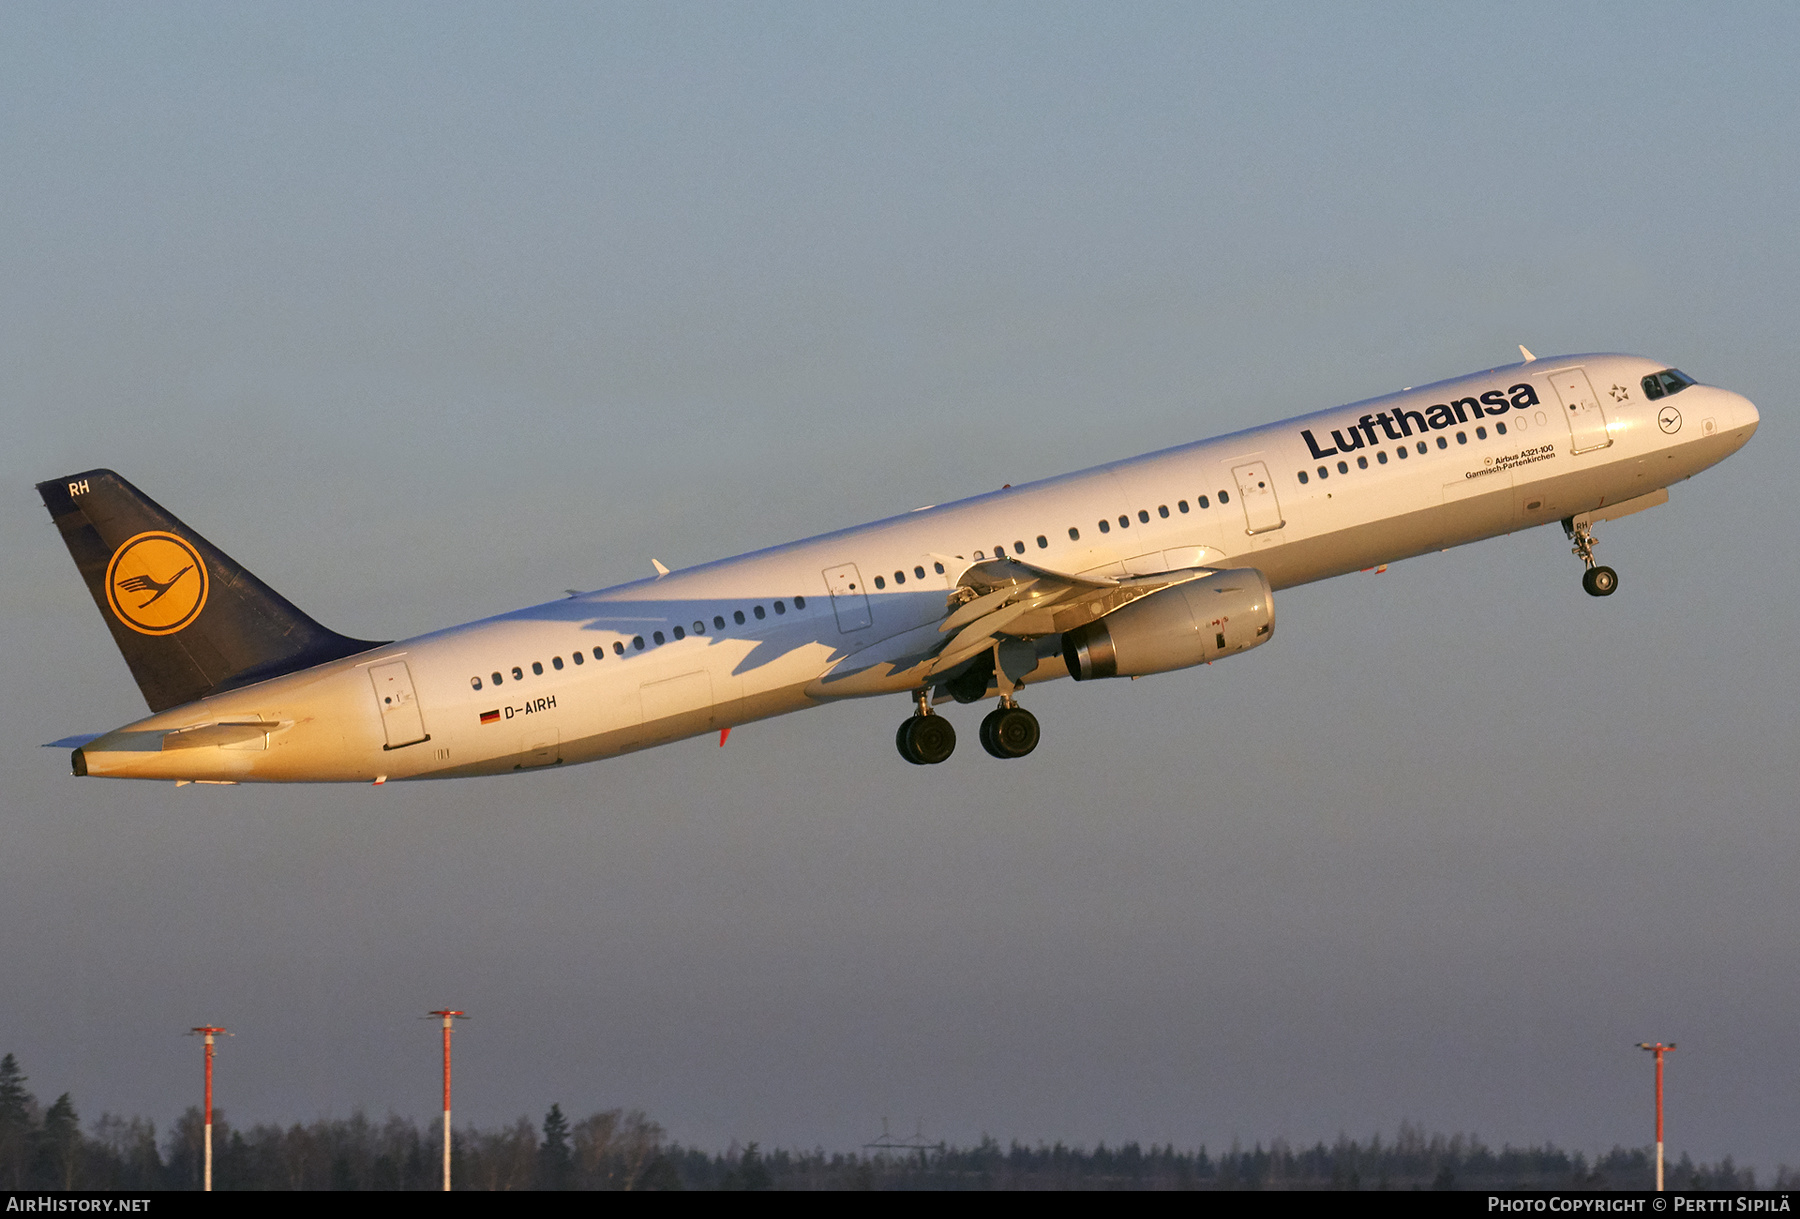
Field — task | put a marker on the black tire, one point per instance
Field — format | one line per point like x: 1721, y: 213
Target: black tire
x: 903, y: 742
x: 1009, y: 732
x: 987, y: 732
x: 1600, y: 581
x: 931, y: 738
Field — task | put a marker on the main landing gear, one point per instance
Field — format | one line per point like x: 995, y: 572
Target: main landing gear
x: 1598, y: 581
x: 926, y: 738
x: 1009, y: 731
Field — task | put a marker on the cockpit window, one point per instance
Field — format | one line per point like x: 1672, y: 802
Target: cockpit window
x: 1668, y: 381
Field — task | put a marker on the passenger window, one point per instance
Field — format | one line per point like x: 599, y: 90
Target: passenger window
x: 1074, y: 534
x: 1000, y: 551
x: 658, y: 636
x: 1481, y: 433
x: 758, y: 610
x: 1181, y: 505
x: 1343, y: 468
x: 1124, y: 522
x: 1442, y: 443
x: 899, y: 578
x: 1203, y: 502
x: 1401, y: 452
x: 578, y: 658
x: 718, y: 622
x: 1018, y: 548
x: 537, y: 668
x: 475, y: 683
x: 1462, y: 438
x: 518, y: 673
x: 800, y: 602
x: 1422, y: 446
x: 737, y: 616
x: 1144, y: 517
x: 1324, y: 473
x: 1224, y: 497
x: 1381, y: 456
x: 680, y: 634
x: 1500, y: 429
x: 1105, y: 528
x: 699, y: 627
x: 1043, y: 542
x: 937, y: 567
x: 637, y: 641
x: 1303, y: 476
x: 781, y: 607
x: 496, y: 678
x: 1362, y: 463
x: 556, y: 662
x: 918, y: 572
x: 1162, y: 510
x: 880, y: 582
x: 619, y: 648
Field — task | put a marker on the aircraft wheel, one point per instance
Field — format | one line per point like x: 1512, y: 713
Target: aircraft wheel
x: 1600, y: 581
x: 933, y: 739
x: 903, y: 742
x: 1009, y: 732
x: 926, y: 740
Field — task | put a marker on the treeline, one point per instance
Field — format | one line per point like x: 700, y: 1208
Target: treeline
x: 45, y: 1148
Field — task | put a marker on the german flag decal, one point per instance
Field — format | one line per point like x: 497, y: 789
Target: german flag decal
x: 490, y: 717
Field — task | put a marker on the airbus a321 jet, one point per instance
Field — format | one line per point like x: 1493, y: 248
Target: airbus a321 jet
x: 1143, y: 566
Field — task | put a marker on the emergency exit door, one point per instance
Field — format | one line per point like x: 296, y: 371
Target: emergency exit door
x: 849, y: 597
x: 1256, y: 490
x: 1581, y: 409
x: 400, y: 715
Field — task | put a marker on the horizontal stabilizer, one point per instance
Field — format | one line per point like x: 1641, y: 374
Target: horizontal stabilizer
x: 74, y: 742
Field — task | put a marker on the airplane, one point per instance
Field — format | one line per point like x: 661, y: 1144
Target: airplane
x: 1138, y: 567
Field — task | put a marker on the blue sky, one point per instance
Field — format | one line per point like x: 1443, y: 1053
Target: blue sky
x: 428, y: 312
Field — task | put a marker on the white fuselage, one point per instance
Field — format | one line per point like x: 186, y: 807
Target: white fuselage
x: 656, y: 665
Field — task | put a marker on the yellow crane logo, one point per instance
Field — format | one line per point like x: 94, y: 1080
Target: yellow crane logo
x: 156, y: 583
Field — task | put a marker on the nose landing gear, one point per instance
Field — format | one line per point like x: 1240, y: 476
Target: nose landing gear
x: 1598, y: 581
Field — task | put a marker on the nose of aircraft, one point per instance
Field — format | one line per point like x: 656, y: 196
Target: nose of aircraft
x: 1746, y: 412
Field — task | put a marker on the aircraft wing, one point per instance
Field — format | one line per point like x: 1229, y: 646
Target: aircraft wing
x: 994, y: 600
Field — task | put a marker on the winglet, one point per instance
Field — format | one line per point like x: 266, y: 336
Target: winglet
x: 660, y: 569
x: 1528, y: 356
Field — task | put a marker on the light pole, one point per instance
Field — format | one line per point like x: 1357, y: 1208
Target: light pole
x: 208, y: 1031
x: 448, y: 1016
x: 1659, y: 1049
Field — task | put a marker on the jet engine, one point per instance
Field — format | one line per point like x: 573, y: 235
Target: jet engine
x: 1221, y: 615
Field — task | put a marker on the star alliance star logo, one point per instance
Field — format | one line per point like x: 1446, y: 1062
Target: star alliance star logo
x: 1620, y: 393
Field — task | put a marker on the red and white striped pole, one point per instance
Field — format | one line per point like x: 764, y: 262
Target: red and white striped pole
x: 208, y: 1031
x: 1659, y: 1049
x: 448, y: 1016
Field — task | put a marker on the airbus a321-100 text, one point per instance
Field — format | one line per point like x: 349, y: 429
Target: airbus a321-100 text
x: 1144, y: 566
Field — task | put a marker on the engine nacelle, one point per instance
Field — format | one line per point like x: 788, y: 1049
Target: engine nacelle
x: 1226, y: 613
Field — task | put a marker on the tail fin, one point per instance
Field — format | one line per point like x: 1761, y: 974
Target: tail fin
x: 189, y: 620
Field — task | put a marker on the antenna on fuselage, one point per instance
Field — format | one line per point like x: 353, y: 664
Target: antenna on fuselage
x: 1526, y: 353
x: 660, y: 569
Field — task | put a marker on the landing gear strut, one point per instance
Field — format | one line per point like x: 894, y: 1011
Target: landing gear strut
x: 1598, y: 581
x: 925, y: 739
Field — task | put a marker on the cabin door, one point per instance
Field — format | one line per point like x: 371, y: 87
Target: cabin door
x: 1581, y: 408
x: 849, y: 597
x: 1257, y: 492
x: 400, y: 715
